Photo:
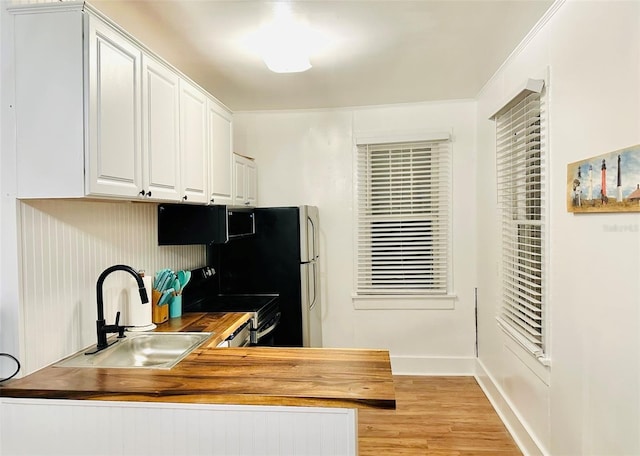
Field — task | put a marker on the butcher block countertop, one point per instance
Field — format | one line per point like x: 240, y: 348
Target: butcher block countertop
x: 316, y: 377
x: 222, y: 324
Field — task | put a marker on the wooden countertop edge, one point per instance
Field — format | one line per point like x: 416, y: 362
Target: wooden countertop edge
x: 218, y: 399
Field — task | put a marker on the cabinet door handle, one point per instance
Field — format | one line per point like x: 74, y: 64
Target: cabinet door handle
x: 141, y: 192
x: 184, y: 197
x: 149, y: 194
x: 213, y: 200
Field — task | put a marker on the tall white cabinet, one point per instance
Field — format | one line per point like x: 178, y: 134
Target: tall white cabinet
x: 161, y: 131
x: 100, y: 115
x: 114, y: 113
x: 220, y: 164
x: 193, y: 143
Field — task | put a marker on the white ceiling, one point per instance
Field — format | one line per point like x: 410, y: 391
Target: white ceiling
x: 382, y: 52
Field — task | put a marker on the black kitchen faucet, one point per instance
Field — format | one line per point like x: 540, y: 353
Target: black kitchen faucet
x: 102, y: 329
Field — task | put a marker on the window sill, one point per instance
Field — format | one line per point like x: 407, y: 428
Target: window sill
x: 399, y: 302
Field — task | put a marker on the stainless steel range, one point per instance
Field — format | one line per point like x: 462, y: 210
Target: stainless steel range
x: 264, y: 308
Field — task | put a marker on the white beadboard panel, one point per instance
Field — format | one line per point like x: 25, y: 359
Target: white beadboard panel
x: 69, y: 427
x: 65, y: 245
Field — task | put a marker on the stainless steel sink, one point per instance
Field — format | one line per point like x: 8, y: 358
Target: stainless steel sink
x: 161, y: 350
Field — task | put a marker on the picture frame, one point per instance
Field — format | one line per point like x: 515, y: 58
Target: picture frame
x: 605, y: 183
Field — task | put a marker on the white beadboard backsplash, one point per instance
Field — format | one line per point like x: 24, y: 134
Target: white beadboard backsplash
x: 65, y: 245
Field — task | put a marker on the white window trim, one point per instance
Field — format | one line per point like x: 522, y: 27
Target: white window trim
x: 402, y: 301
x: 408, y: 302
x: 375, y: 137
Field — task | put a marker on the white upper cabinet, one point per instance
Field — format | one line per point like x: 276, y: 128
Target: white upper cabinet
x: 193, y: 143
x: 160, y: 131
x: 245, y: 188
x: 98, y: 114
x: 220, y: 151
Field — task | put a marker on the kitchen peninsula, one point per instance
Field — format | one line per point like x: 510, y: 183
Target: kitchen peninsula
x: 300, y: 400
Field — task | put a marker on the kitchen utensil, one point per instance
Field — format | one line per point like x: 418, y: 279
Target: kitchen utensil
x: 160, y: 276
x: 166, y: 294
x: 184, y: 277
x: 177, y: 286
x: 165, y: 280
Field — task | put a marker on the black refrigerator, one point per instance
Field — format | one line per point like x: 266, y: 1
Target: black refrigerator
x: 282, y: 257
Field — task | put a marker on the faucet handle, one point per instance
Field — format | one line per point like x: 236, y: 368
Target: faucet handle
x: 118, y: 327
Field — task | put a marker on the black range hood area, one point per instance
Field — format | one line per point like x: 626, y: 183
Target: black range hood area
x: 187, y: 224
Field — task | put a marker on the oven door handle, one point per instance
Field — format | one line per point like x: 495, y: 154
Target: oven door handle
x: 271, y: 327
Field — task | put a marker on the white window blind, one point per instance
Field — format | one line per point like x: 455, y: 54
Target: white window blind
x: 521, y: 196
x: 403, y: 207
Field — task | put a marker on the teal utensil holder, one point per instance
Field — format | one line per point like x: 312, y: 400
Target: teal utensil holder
x: 175, y: 306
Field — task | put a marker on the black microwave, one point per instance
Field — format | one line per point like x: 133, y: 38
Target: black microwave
x: 186, y: 224
x: 240, y: 222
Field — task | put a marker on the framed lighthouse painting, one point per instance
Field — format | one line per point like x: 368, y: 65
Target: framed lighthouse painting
x: 606, y: 183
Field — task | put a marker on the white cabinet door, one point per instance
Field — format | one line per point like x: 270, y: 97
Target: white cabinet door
x: 114, y: 152
x: 251, y: 182
x: 245, y: 189
x: 220, y: 152
x: 161, y: 131
x: 239, y: 187
x: 193, y: 143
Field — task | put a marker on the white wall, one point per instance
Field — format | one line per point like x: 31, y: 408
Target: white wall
x: 2, y: 374
x: 588, y: 402
x: 9, y: 315
x: 305, y: 157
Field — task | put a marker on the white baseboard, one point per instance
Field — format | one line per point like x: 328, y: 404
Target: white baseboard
x: 501, y: 404
x: 422, y: 365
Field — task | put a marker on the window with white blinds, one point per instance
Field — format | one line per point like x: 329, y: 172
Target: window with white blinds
x: 403, y: 207
x: 521, y: 162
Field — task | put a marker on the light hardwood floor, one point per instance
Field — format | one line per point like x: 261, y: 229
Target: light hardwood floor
x: 435, y: 416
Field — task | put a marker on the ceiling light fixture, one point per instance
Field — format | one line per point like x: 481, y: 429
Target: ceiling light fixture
x: 284, y: 43
x: 285, y: 51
